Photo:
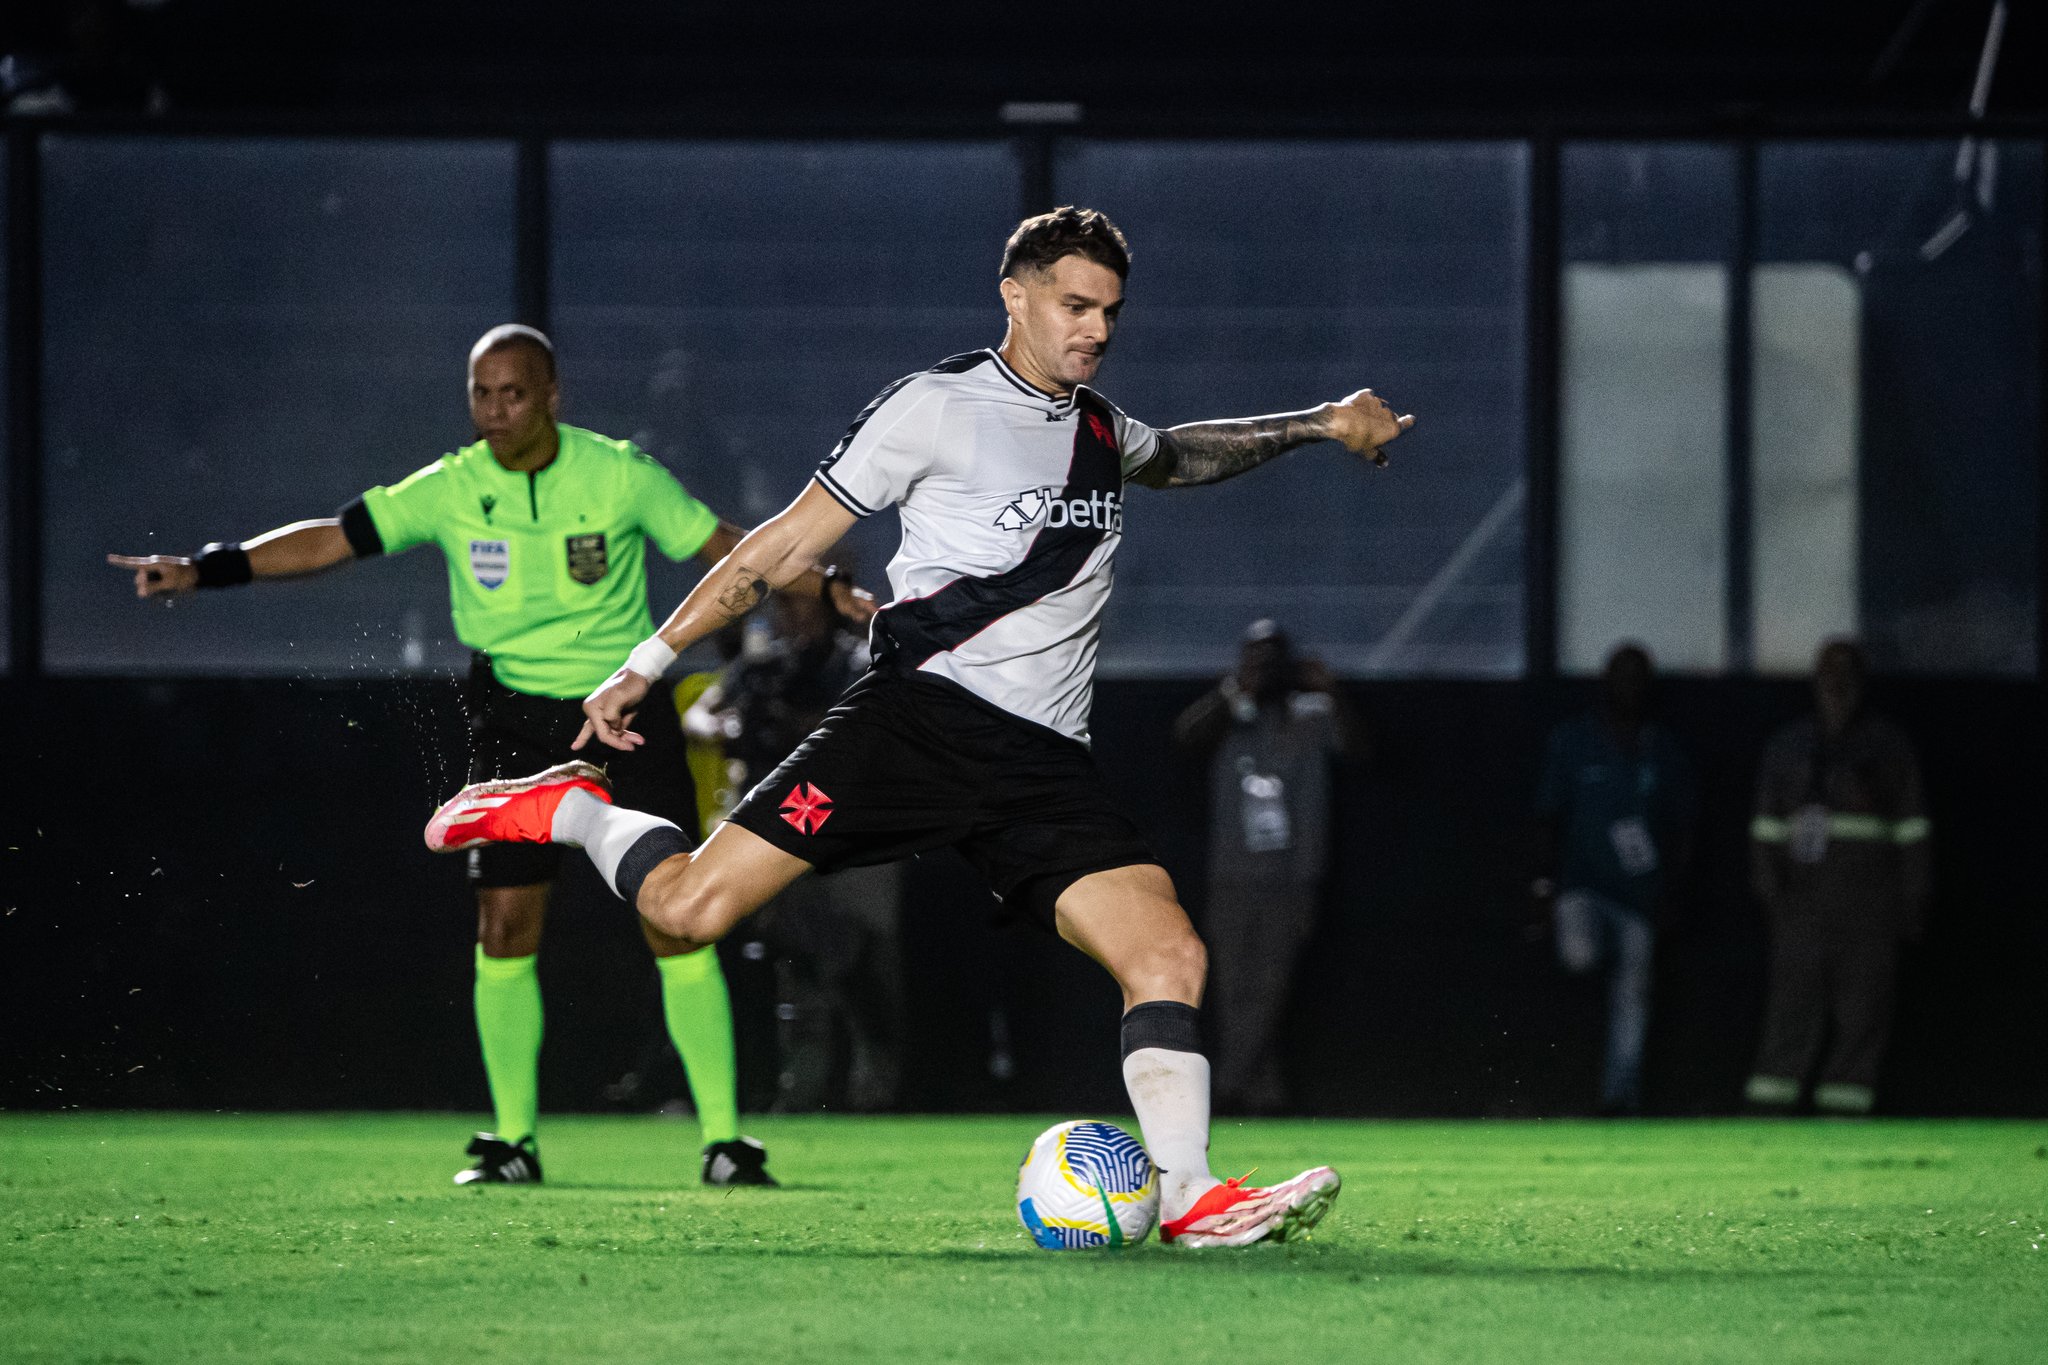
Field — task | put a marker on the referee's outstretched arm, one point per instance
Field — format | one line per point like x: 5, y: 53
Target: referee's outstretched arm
x: 304, y: 547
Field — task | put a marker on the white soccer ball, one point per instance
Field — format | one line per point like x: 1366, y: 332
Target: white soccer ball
x: 1086, y: 1184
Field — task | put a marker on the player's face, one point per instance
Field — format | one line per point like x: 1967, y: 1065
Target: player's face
x: 1061, y: 319
x: 511, y: 400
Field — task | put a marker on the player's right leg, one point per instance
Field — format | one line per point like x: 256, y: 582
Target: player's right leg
x: 1129, y: 920
x: 694, y: 896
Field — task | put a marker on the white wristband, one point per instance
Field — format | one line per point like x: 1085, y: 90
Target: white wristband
x: 651, y: 658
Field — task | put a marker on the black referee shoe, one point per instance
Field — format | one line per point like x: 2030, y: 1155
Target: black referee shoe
x: 499, y: 1162
x: 741, y: 1161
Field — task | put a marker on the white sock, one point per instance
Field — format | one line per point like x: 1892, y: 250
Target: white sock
x: 1170, y: 1092
x: 602, y: 830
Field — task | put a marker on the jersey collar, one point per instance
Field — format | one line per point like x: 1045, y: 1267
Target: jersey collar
x: 1061, y: 404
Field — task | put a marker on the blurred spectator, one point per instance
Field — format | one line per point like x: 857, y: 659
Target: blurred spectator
x: 835, y: 939
x: 717, y: 778
x: 1615, y: 811
x: 1271, y: 729
x: 1839, y: 856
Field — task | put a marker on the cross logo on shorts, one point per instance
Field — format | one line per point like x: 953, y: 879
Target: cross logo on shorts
x: 807, y: 808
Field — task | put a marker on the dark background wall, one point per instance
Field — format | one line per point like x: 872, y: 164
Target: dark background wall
x: 809, y: 60
x: 214, y: 895
x: 212, y: 891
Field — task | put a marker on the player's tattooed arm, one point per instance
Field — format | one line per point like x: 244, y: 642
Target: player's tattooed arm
x: 771, y: 556
x: 1207, y: 452
x: 746, y: 591
x: 854, y: 605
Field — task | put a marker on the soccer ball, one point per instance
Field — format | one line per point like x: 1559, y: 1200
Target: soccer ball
x: 1087, y: 1184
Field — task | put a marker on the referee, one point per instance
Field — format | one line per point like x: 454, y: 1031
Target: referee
x: 544, y: 528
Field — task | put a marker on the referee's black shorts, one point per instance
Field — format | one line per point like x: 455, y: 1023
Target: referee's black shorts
x: 903, y: 765
x: 516, y: 733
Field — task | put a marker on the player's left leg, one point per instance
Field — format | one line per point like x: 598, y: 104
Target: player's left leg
x: 1129, y: 919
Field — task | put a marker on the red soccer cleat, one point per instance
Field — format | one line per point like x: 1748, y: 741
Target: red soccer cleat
x: 1229, y: 1215
x: 512, y: 810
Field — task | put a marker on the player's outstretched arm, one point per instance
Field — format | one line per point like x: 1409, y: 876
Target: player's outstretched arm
x: 1209, y: 452
x: 304, y: 547
x: 771, y: 556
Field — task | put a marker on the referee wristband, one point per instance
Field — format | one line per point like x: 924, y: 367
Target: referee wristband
x: 223, y: 565
x: 651, y: 658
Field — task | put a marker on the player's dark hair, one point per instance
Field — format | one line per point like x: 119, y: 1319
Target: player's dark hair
x: 1040, y: 243
x: 509, y: 335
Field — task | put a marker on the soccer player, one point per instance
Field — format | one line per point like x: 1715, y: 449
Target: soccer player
x: 544, y: 528
x: 972, y: 728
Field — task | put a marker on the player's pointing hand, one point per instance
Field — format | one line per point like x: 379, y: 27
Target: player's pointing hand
x: 609, y: 711
x: 1364, y: 423
x: 159, y: 575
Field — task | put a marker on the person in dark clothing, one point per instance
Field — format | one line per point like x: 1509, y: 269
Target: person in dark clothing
x: 1839, y: 855
x: 1271, y: 728
x: 1615, y: 812
x: 835, y: 939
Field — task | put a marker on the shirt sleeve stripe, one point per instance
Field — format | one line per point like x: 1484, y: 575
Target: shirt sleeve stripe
x: 844, y: 498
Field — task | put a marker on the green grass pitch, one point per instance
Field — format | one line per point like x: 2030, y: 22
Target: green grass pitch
x: 158, y: 1238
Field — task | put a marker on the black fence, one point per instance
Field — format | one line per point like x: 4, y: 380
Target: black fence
x: 216, y: 897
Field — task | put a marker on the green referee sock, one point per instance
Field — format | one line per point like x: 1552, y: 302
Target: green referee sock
x: 699, y: 1014
x: 508, y: 1024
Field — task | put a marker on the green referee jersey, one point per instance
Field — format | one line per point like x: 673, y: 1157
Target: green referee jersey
x: 547, y: 571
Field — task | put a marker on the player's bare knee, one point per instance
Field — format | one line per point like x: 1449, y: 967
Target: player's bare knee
x: 1172, y: 968
x: 1185, y: 962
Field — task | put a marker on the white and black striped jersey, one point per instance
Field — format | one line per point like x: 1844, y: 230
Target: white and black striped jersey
x: 1012, y: 507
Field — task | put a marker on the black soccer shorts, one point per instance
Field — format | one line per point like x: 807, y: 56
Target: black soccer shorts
x: 513, y: 734
x: 903, y: 765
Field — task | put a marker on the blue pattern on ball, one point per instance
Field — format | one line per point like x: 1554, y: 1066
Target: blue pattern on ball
x: 1057, y: 1239
x: 1105, y: 1156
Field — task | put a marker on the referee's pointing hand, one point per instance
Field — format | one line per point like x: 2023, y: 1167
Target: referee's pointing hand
x: 609, y: 711
x: 158, y: 575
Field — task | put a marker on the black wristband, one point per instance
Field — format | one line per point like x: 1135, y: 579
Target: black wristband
x: 223, y: 566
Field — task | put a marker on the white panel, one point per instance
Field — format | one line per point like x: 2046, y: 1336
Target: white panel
x: 1642, y: 550
x: 1803, y: 470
